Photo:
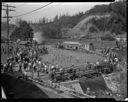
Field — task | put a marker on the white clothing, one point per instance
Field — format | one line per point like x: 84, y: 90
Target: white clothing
x: 25, y: 73
x: 39, y: 62
x: 97, y: 63
x: 52, y: 67
x: 116, y: 59
x: 105, y: 60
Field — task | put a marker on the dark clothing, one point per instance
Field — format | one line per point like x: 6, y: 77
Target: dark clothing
x: 26, y: 59
x: 16, y: 59
x: 20, y: 67
x: 25, y: 65
x: 34, y: 68
x: 52, y: 76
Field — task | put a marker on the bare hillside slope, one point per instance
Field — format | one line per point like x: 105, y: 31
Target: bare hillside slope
x: 82, y: 28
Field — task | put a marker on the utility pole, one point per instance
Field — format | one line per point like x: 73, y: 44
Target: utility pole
x: 7, y: 17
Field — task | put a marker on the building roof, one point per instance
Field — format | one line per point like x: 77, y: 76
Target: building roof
x: 71, y: 42
x: 24, y: 42
x: 121, y: 36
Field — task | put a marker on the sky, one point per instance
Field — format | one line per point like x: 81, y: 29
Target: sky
x: 56, y: 8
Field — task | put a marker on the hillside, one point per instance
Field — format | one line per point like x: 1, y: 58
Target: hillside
x: 95, y: 22
x: 82, y: 28
x: 100, y: 20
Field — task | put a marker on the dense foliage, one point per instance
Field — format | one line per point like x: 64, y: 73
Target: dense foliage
x: 92, y: 29
x: 116, y: 23
x: 107, y: 37
x: 57, y: 27
x: 23, y: 32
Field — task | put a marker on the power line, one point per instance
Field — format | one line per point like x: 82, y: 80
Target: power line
x: 33, y: 10
x: 55, y: 6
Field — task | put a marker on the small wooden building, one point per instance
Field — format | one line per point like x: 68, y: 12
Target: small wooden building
x: 77, y: 46
x: 71, y: 45
x: 25, y: 43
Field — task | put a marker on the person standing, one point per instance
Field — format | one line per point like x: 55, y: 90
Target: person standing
x: 25, y: 74
x: 29, y: 65
x: 10, y: 67
x: 45, y: 67
x: 88, y: 91
x: 20, y: 66
x: 74, y: 74
x: 34, y: 66
x: 38, y: 68
x: 2, y: 68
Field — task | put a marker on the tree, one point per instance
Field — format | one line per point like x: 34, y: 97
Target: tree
x: 56, y: 18
x: 17, y: 21
x: 44, y: 20
x: 23, y: 32
x: 15, y: 34
x: 107, y: 36
x: 116, y: 23
x: 92, y: 29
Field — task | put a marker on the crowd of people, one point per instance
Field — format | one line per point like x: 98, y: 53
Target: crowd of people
x: 27, y: 59
x: 24, y: 59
